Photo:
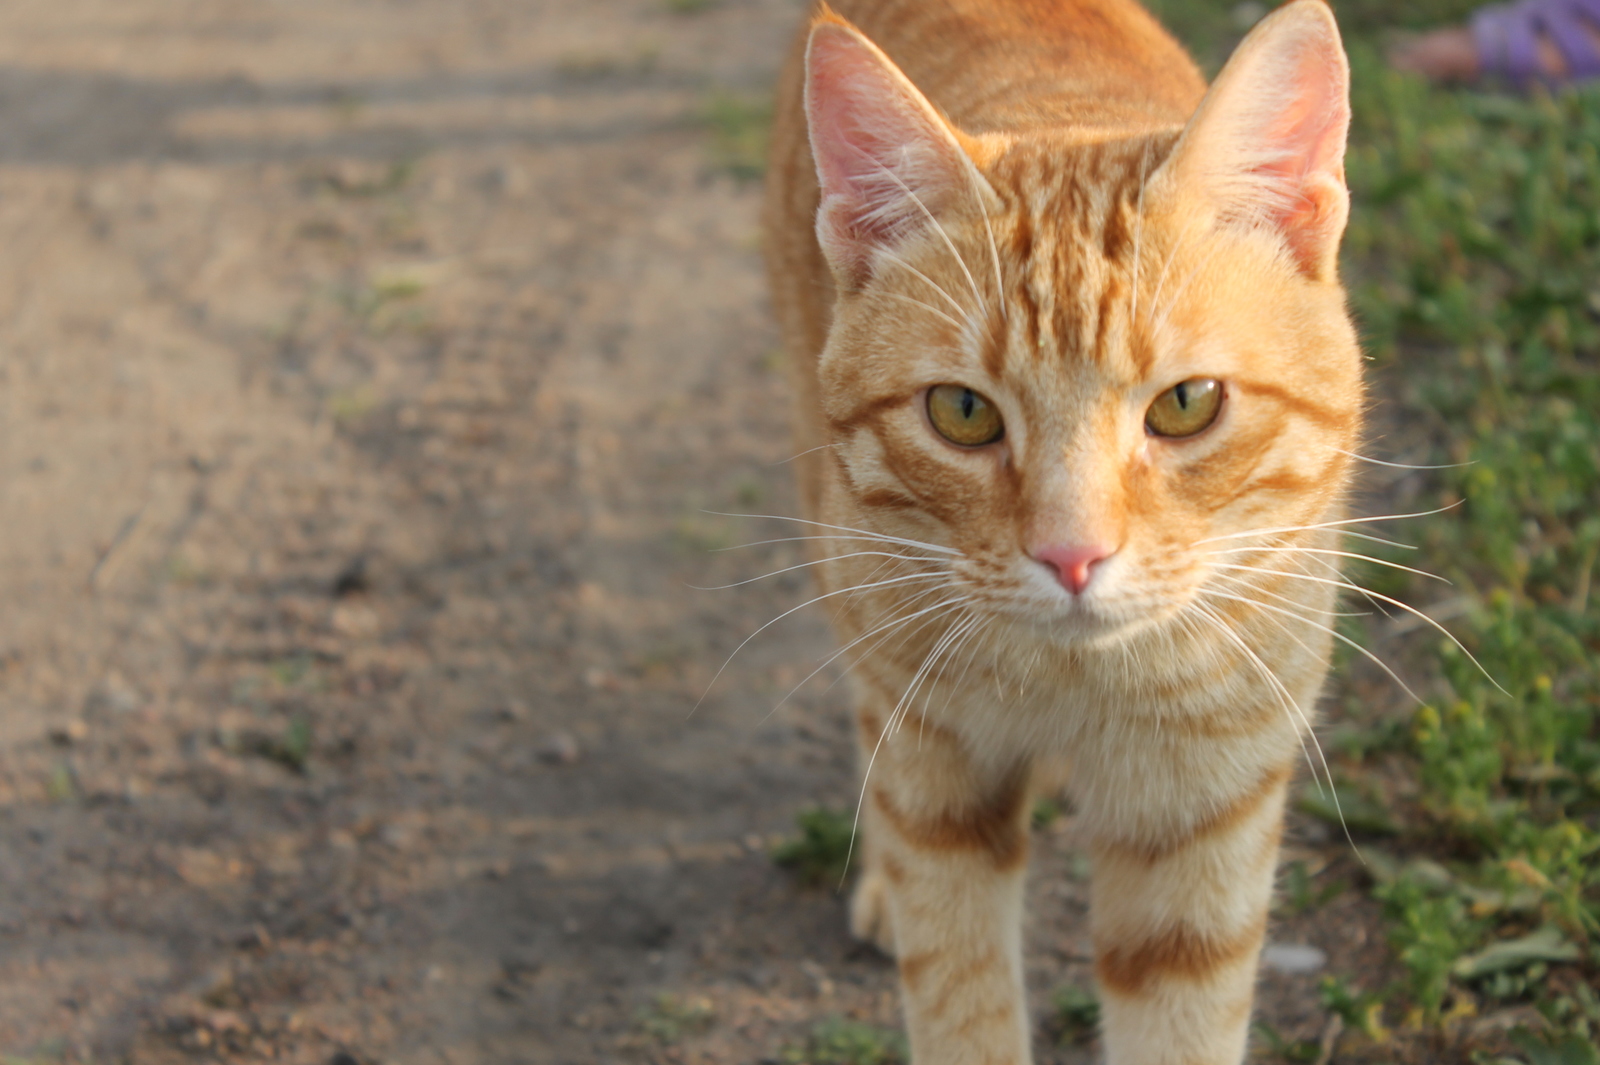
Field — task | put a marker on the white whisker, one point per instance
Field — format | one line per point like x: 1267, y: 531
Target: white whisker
x: 994, y: 256
x: 904, y: 636
x: 869, y: 534
x: 1241, y: 582
x: 925, y: 279
x: 1333, y: 790
x: 1400, y: 465
x: 1290, y: 705
x: 1172, y: 301
x: 801, y: 539
x: 1328, y: 525
x: 1138, y: 231
x: 943, y: 233
x: 886, y: 627
x: 907, y: 579
x: 943, y: 653
x: 1327, y: 551
x: 1446, y: 633
x: 972, y: 626
x: 804, y: 565
x: 866, y: 776
x: 1325, y: 628
x: 972, y: 647
x: 803, y: 454
x: 1172, y: 257
x: 930, y: 308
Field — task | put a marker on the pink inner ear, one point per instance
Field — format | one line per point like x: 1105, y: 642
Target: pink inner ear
x: 853, y: 126
x: 1310, y: 131
x: 1267, y: 144
x: 878, y: 147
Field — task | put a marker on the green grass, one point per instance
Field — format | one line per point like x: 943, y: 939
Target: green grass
x: 1473, y: 260
x: 841, y: 1042
x: 739, y: 126
x: 671, y: 1018
x: 1077, y: 1013
x: 819, y: 854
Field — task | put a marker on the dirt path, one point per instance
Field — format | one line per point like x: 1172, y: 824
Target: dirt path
x: 366, y: 371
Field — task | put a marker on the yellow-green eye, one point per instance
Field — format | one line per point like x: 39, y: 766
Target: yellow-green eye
x: 1185, y: 408
x: 962, y: 416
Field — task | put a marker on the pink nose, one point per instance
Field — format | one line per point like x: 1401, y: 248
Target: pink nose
x: 1072, y: 563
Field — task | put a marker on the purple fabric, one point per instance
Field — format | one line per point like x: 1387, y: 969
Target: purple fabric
x: 1507, y: 37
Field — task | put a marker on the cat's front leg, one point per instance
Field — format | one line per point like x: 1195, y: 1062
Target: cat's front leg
x: 948, y: 851
x: 1178, y: 925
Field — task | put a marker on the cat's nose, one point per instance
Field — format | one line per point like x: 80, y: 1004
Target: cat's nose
x: 1073, y: 564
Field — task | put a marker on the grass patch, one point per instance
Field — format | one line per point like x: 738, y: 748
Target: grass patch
x: 818, y: 855
x: 739, y: 126
x: 670, y: 1018
x: 1046, y: 812
x: 840, y: 1042
x: 1077, y: 1013
x: 1472, y: 254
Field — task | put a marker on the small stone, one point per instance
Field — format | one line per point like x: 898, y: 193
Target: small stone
x: 352, y: 579
x: 560, y: 748
x: 397, y: 835
x: 117, y: 695
x: 355, y: 620
x: 226, y: 1021
x: 66, y: 733
x: 1294, y: 958
x: 510, y: 710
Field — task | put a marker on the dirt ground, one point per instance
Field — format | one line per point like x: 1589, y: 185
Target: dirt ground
x: 367, y: 369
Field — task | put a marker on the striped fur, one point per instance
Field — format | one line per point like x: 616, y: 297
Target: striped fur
x: 1039, y: 200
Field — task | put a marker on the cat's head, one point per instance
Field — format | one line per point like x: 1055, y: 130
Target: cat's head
x: 1086, y: 363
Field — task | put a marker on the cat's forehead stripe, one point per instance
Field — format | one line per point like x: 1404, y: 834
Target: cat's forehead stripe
x: 1073, y: 231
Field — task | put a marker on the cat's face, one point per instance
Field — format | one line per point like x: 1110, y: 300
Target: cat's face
x: 1134, y: 384
x: 1088, y: 365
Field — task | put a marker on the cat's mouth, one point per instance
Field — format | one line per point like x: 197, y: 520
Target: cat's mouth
x: 1094, y: 619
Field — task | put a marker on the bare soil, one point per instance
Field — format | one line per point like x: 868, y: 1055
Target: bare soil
x: 368, y: 370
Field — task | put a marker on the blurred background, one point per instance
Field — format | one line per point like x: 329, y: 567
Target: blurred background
x: 369, y: 374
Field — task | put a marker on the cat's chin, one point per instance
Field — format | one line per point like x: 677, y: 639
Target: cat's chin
x: 1084, y: 626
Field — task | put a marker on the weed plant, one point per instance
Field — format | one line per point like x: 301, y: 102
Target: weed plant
x: 840, y: 1042
x: 1473, y: 259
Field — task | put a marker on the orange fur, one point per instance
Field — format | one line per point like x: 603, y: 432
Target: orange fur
x: 1039, y: 201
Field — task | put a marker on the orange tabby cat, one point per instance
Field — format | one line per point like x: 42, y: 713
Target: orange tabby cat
x: 1074, y: 357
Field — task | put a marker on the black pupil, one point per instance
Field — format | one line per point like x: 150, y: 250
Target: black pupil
x: 1182, y: 392
x: 968, y: 401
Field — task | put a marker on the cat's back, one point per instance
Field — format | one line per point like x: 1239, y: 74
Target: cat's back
x: 1096, y: 69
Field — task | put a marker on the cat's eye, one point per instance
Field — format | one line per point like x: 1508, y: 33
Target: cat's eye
x: 1186, y: 408
x: 963, y: 417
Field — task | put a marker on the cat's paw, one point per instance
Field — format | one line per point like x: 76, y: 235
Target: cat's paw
x: 869, y: 912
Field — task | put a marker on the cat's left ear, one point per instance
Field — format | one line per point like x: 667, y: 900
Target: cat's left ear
x: 887, y: 162
x: 1266, y: 145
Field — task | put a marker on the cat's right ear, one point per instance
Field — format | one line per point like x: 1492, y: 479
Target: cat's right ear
x: 887, y: 162
x: 1267, y: 144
